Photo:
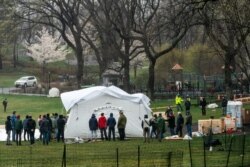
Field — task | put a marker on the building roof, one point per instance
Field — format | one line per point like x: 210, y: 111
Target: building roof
x: 177, y: 67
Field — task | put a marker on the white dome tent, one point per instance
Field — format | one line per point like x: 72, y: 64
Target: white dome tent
x: 81, y: 104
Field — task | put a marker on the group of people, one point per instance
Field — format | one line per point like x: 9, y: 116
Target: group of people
x: 103, y: 124
x: 49, y: 127
x: 187, y: 103
x: 52, y: 127
x: 14, y: 127
x: 156, y: 126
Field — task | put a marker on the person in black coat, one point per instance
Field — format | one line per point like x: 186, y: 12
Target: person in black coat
x: 60, y: 126
x: 171, y: 123
x: 8, y: 128
x: 224, y: 105
x: 187, y: 105
x: 203, y: 105
x: 50, y: 126
x: 93, y: 126
x: 179, y: 124
x: 31, y: 127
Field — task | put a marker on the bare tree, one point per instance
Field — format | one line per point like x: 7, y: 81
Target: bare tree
x: 8, y: 32
x: 114, y: 19
x: 67, y: 17
x: 164, y: 21
x: 227, y: 25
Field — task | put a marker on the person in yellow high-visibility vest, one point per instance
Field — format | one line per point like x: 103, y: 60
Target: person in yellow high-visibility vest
x: 178, y: 101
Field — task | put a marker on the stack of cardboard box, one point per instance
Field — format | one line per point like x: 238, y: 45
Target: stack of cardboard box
x: 217, y: 126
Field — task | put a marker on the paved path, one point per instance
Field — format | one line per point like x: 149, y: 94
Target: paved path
x: 18, y: 91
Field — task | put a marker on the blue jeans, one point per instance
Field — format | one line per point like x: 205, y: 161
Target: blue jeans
x: 13, y: 134
x: 93, y: 135
x: 46, y: 137
x: 172, y: 131
x: 189, y: 130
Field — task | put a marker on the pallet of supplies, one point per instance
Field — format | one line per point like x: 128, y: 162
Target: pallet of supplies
x: 216, y: 125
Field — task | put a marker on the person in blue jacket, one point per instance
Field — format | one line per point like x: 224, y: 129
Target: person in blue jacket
x: 111, y: 122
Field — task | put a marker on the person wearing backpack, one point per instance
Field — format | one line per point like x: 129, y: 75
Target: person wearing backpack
x: 146, y: 128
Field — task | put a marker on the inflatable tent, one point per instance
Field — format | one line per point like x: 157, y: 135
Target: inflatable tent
x: 81, y: 104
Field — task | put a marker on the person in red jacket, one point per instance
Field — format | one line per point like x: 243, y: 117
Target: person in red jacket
x: 102, y: 124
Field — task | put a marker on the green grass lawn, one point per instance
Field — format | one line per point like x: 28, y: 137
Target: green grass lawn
x: 132, y: 153
x: 129, y: 153
x: 39, y: 105
x: 30, y: 105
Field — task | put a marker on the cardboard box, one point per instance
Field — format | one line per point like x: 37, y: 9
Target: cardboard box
x: 230, y: 124
x: 216, y: 124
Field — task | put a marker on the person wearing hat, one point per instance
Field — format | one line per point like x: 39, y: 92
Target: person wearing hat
x: 111, y: 122
x: 93, y: 126
x: 179, y: 124
x: 178, y: 101
x: 121, y: 125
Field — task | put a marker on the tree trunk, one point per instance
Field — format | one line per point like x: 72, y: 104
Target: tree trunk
x: 80, y: 65
x: 14, y: 54
x: 151, y: 79
x: 229, y: 68
x: 126, y: 79
x: 102, y: 68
